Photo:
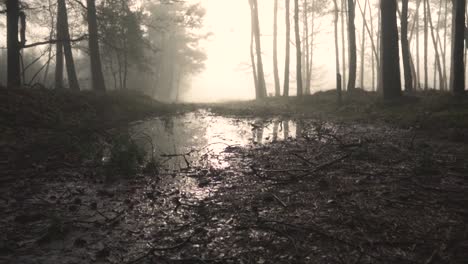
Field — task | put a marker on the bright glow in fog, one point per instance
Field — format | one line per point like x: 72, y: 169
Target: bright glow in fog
x: 228, y: 74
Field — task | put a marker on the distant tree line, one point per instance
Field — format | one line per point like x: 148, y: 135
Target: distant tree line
x: 103, y: 44
x: 441, y: 25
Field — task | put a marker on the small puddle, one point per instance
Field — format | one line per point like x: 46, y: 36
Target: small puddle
x: 181, y: 143
x: 202, y: 132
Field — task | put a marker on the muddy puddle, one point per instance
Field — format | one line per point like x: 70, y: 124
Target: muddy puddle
x: 197, y: 133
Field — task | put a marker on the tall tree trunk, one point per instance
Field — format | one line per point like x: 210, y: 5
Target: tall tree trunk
x: 391, y: 82
x: 418, y: 61
x: 305, y: 47
x: 444, y: 61
x: 258, y: 48
x: 343, y: 43
x: 13, y: 45
x: 252, y: 59
x: 59, y: 52
x: 288, y: 50
x: 426, y: 38
x: 97, y: 77
x: 298, y: 49
x: 63, y: 27
x: 379, y: 52
x: 311, y: 47
x: 458, y: 69
x: 352, y: 46
x: 405, y: 48
x: 337, y: 54
x: 436, y: 49
x: 363, y: 45
x: 275, y: 50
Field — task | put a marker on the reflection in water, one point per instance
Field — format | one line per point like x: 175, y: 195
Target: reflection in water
x: 286, y: 129
x: 200, y: 138
x: 201, y: 133
x: 275, y: 130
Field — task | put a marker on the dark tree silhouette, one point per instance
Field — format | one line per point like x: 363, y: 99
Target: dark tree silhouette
x: 94, y: 54
x: 352, y: 45
x: 391, y: 83
x: 405, y: 47
x: 458, y: 65
x: 14, y: 71
x: 298, y: 49
x: 275, y: 50
x: 288, y: 50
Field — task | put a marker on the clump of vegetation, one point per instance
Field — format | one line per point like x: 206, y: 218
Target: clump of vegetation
x: 126, y: 157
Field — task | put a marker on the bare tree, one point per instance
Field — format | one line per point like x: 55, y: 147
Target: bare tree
x: 275, y: 50
x: 14, y: 47
x: 391, y: 83
x: 458, y: 69
x: 298, y: 49
x: 405, y: 48
x: 97, y: 77
x: 262, y: 93
x: 337, y: 54
x: 288, y: 50
x: 352, y: 46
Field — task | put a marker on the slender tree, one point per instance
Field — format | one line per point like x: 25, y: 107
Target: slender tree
x: 275, y: 50
x: 252, y: 53
x: 405, y: 48
x: 391, y: 83
x: 67, y: 49
x: 298, y: 49
x: 13, y: 45
x: 363, y: 45
x: 343, y: 42
x: 258, y: 48
x: 352, y: 46
x: 288, y: 50
x: 458, y: 69
x: 438, y: 65
x: 426, y: 41
x: 59, y: 52
x: 97, y: 77
x: 337, y: 54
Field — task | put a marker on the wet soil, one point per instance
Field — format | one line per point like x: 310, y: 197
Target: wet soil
x: 248, y: 190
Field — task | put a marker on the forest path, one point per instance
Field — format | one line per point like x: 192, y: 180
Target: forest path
x: 251, y: 190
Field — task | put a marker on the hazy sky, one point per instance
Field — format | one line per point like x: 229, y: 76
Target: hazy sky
x: 228, y: 72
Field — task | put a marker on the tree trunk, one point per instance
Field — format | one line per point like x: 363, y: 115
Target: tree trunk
x: 311, y: 48
x: 444, y: 61
x: 405, y: 48
x: 252, y: 60
x: 426, y: 38
x: 275, y: 50
x: 97, y: 77
x: 59, y: 52
x: 298, y: 49
x: 258, y: 48
x: 363, y: 45
x: 63, y: 28
x: 352, y: 46
x: 13, y: 45
x: 288, y: 50
x: 391, y: 83
x: 305, y: 47
x: 458, y: 69
x: 337, y: 54
x: 343, y: 44
x: 418, y: 61
x: 436, y: 49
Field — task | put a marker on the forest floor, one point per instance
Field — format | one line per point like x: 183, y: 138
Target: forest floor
x: 355, y: 184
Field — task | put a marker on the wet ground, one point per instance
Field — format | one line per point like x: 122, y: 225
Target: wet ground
x: 250, y: 190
